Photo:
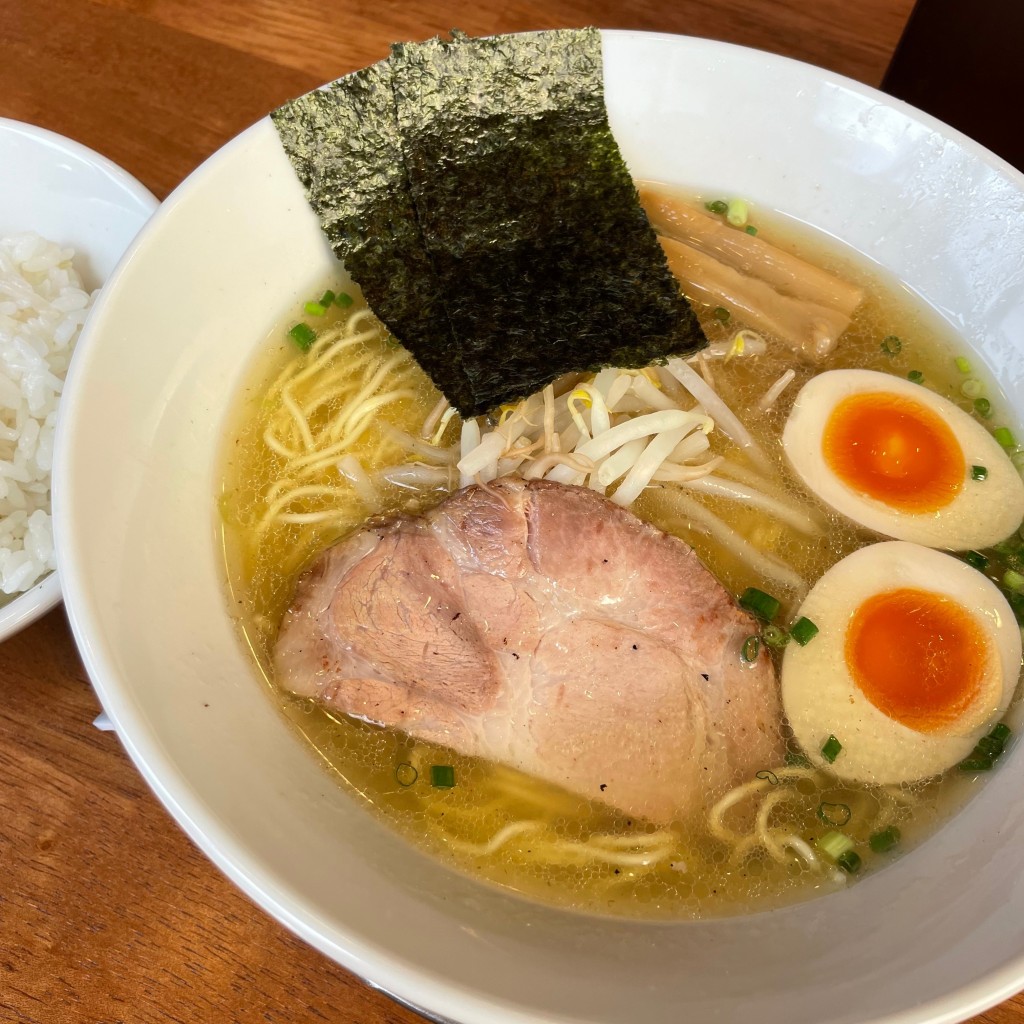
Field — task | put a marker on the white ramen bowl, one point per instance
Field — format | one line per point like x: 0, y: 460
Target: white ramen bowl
x: 72, y: 195
x: 935, y: 937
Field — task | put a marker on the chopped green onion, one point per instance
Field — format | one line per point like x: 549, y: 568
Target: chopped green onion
x: 343, y: 300
x: 303, y: 335
x: 774, y: 637
x: 983, y: 407
x: 750, y: 229
x: 1014, y: 581
x: 736, y: 212
x: 1017, y: 458
x: 988, y: 746
x: 892, y: 345
x: 991, y: 746
x: 442, y: 776
x: 915, y: 377
x: 766, y: 776
x: 763, y: 605
x: 979, y: 472
x: 962, y: 365
x: 794, y: 759
x: 406, y: 774
x: 1004, y: 435
x: 803, y: 631
x: 972, y: 388
x: 830, y: 749
x: 976, y: 763
x: 721, y: 314
x: 751, y: 649
x: 1012, y: 550
x: 717, y: 206
x: 1001, y: 732
x: 849, y: 862
x: 314, y: 309
x: 882, y: 842
x: 327, y: 298
x: 976, y: 560
x: 835, y: 844
x: 834, y: 814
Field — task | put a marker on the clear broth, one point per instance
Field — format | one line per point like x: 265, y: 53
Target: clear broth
x: 560, y: 856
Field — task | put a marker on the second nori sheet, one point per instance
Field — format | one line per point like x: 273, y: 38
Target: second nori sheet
x: 488, y: 215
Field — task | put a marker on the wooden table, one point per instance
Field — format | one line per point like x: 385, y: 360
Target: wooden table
x: 107, y: 912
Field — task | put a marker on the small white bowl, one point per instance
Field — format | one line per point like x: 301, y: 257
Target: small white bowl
x: 933, y: 938
x: 68, y: 193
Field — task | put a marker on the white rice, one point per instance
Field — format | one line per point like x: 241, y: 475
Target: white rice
x: 42, y: 309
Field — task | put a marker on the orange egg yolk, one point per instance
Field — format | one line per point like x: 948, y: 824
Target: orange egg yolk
x: 895, y: 450
x: 919, y: 657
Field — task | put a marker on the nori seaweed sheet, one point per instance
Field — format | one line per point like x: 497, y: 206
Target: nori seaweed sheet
x: 474, y: 189
x: 344, y: 144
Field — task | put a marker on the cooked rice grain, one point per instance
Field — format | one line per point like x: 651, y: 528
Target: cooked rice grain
x: 42, y: 309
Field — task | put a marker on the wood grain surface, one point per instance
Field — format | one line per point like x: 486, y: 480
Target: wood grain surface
x: 107, y: 912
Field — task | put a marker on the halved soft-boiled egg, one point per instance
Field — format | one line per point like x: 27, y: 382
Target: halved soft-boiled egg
x: 903, y: 461
x: 916, y: 658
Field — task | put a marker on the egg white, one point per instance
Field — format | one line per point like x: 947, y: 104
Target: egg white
x: 983, y: 513
x: 821, y: 697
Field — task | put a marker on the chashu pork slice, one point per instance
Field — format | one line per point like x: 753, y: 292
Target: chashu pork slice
x: 542, y: 626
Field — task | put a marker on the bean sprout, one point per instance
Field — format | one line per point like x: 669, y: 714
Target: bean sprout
x: 771, y: 396
x: 724, y: 417
x: 431, y: 422
x: 795, y: 517
x: 352, y: 470
x: 647, y: 465
x: 760, y: 561
x: 442, y: 426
